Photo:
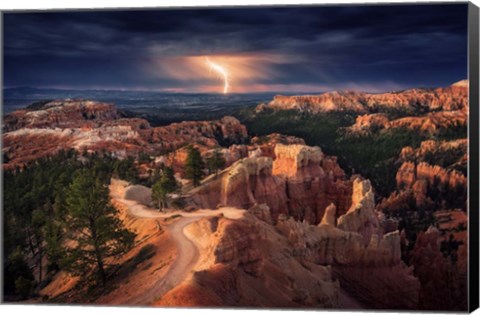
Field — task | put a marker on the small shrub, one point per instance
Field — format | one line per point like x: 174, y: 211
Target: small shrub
x: 24, y: 287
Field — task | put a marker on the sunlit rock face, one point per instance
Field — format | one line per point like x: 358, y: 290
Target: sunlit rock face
x: 409, y: 174
x: 313, y: 181
x: 361, y: 216
x: 300, y: 182
x: 451, y: 98
x: 329, y: 218
x: 250, y: 181
x: 333, y: 101
x: 247, y: 182
x: 297, y: 160
x: 258, y: 147
x: 266, y: 145
x: 49, y: 127
x: 60, y: 113
x: 424, y: 182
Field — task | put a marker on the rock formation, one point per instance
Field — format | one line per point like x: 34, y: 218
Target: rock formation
x: 367, y: 261
x: 300, y: 182
x: 367, y: 123
x: 60, y: 114
x: 246, y: 183
x: 329, y: 218
x: 451, y: 98
x: 431, y: 123
x: 247, y: 263
x: 444, y: 282
x: 97, y: 127
x: 360, y: 217
x: 266, y: 144
x: 434, y: 175
x: 424, y: 187
x: 435, y: 196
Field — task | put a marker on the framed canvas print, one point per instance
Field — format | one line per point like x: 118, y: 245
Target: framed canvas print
x: 305, y: 157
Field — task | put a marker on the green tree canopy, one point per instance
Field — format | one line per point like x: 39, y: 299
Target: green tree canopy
x: 164, y: 185
x: 94, y: 229
x: 194, y: 165
x: 18, y: 276
x: 215, y: 162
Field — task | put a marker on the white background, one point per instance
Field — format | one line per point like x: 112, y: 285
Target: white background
x: 77, y: 310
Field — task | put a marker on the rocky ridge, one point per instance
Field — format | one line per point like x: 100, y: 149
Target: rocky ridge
x: 430, y: 123
x: 451, y: 98
x: 98, y: 127
x: 60, y: 114
x: 300, y: 182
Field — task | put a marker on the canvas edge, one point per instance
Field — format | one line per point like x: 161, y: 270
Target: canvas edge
x: 2, y: 66
x: 473, y: 133
x: 473, y: 217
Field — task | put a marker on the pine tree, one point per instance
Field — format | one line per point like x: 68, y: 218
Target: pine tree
x: 215, y: 162
x: 94, y: 228
x: 17, y: 274
x: 39, y: 219
x: 165, y: 184
x: 194, y: 166
x: 53, y: 231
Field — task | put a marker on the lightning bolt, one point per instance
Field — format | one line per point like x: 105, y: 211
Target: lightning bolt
x: 221, y: 71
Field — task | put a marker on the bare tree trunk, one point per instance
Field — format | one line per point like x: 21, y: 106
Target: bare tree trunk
x: 40, y: 256
x: 30, y: 242
x: 98, y: 256
x: 101, y: 270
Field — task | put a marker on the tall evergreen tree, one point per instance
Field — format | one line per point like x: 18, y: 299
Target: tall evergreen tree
x: 39, y: 219
x: 194, y: 166
x: 94, y: 229
x: 17, y: 275
x: 53, y: 231
x: 215, y: 162
x: 165, y: 184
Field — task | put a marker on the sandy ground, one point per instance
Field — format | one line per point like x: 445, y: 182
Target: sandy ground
x: 150, y: 232
x: 187, y: 252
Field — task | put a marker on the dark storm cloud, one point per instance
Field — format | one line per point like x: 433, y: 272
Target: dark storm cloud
x: 327, y: 46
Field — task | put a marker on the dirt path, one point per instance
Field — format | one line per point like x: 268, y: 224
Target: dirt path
x: 187, y: 252
x: 187, y: 257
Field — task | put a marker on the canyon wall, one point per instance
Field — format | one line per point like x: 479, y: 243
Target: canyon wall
x: 300, y: 182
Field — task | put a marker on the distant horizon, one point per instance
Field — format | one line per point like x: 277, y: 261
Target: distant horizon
x: 67, y: 89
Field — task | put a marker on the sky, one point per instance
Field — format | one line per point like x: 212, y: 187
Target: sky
x: 290, y: 49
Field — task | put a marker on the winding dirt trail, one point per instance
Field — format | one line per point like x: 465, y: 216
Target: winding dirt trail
x: 187, y: 251
x: 187, y: 256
